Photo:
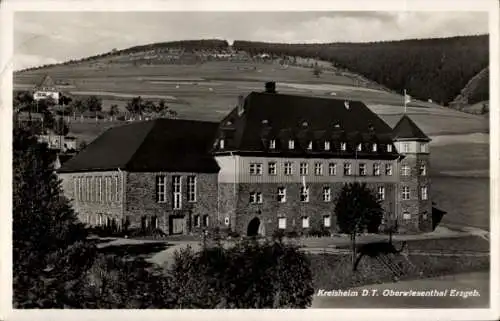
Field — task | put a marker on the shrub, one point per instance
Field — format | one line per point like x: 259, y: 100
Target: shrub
x: 319, y: 232
x: 250, y: 274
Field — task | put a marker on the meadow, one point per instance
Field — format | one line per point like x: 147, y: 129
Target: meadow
x: 459, y: 150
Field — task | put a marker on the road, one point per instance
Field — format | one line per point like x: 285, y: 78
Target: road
x: 462, y: 282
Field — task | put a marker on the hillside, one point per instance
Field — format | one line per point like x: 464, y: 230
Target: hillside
x: 434, y: 69
x: 474, y: 94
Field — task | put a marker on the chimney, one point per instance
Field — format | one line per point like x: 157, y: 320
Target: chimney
x: 241, y: 105
x: 271, y: 87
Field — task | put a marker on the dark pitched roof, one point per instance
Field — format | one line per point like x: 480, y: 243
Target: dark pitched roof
x: 156, y: 145
x: 304, y: 119
x: 406, y: 129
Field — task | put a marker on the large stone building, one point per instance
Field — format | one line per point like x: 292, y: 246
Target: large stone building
x: 276, y: 161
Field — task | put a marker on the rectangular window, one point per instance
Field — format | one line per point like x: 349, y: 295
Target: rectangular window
x: 347, y: 169
x: 359, y: 147
x: 282, y: 223
x: 205, y: 220
x: 326, y: 221
x: 80, y: 189
x: 281, y: 194
x: 405, y: 170
x: 423, y: 193
x: 343, y: 146
x: 117, y: 189
x: 406, y: 147
x: 191, y: 188
x: 304, y: 194
x: 376, y: 169
x: 304, y: 169
x: 272, y: 144
x: 327, y: 145
x: 256, y: 169
x: 327, y: 194
x: 362, y: 169
x: 161, y: 189
x: 108, y: 188
x: 332, y: 169
x: 221, y: 144
x: 177, y: 191
x: 310, y: 146
x: 374, y: 147
x: 272, y: 168
x: 389, y: 148
x: 196, y: 220
x: 288, y: 168
x: 381, y: 193
x: 291, y: 144
x: 305, y: 222
x: 318, y: 169
x: 255, y: 197
x: 75, y: 188
x: 423, y: 147
x: 423, y: 170
x: 100, y: 189
x: 405, y: 193
x: 388, y: 169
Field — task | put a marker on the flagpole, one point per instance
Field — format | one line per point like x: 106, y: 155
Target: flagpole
x: 404, y: 100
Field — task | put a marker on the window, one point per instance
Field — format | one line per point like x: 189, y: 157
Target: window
x: 281, y: 194
x: 154, y: 222
x: 389, y: 148
x: 326, y: 221
x: 374, y: 147
x: 343, y: 146
x: 205, y: 220
x: 332, y: 169
x: 108, y: 189
x: 80, y: 189
x: 100, y: 189
x: 305, y: 222
x: 304, y: 194
x: 288, y: 168
x: 191, y: 188
x: 381, y: 193
x: 423, y: 170
x: 362, y: 169
x: 388, y: 169
x: 376, y: 169
x: 177, y: 188
x: 347, y: 169
x: 272, y: 144
x: 291, y: 144
x: 221, y: 144
x: 310, y: 146
x: 423, y: 147
x: 318, y: 169
x: 423, y: 193
x: 87, y: 198
x: 255, y: 197
x: 327, y: 194
x: 255, y: 169
x: 327, y: 145
x: 272, y: 168
x: 359, y: 147
x: 75, y: 188
x: 196, y: 220
x: 304, y: 169
x: 161, y: 190
x: 406, y: 147
x: 405, y: 170
x: 282, y: 223
x: 117, y: 189
x: 405, y: 193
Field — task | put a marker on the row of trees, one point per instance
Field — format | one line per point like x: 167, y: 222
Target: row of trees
x: 429, y: 68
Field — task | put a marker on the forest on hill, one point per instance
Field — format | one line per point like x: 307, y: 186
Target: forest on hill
x: 434, y: 69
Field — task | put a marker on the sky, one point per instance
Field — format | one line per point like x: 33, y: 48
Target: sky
x: 52, y: 37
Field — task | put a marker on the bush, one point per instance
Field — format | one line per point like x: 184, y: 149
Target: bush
x: 321, y: 232
x: 251, y: 274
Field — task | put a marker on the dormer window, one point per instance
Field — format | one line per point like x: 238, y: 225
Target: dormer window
x: 310, y: 146
x: 221, y: 144
x: 389, y: 148
x: 265, y: 122
x: 291, y: 144
x: 229, y: 123
x: 272, y: 144
x: 343, y: 146
x: 305, y: 124
x: 358, y: 148
x: 374, y: 147
x: 327, y: 145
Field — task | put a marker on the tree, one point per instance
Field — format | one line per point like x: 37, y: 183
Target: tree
x: 61, y: 127
x: 47, y: 236
x: 93, y: 104
x: 113, y: 111
x: 135, y: 106
x: 317, y: 71
x: 357, y: 209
